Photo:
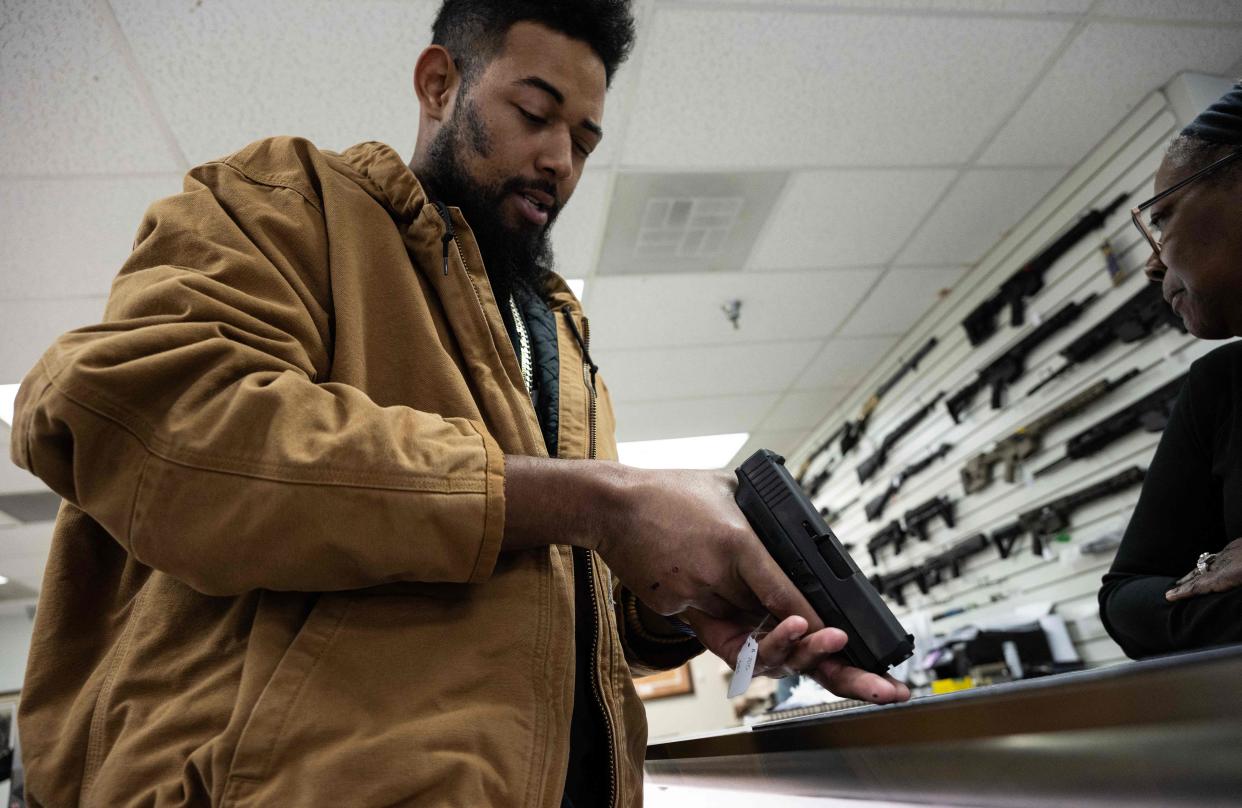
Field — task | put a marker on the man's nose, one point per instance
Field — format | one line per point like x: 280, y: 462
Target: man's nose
x: 556, y: 157
x: 1154, y: 268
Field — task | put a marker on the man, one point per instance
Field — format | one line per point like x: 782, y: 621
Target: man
x: 338, y: 525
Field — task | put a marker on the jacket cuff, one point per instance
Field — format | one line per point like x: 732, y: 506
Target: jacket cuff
x: 646, y: 650
x: 493, y: 508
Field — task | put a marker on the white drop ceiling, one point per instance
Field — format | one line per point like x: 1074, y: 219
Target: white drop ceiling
x: 910, y: 134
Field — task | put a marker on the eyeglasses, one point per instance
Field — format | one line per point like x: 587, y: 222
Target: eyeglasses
x: 1136, y: 214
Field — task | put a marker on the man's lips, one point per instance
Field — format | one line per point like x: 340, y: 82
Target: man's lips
x: 1175, y: 298
x: 531, y: 208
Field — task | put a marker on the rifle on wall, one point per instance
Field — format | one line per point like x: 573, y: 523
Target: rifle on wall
x: 894, y: 534
x: 1029, y: 439
x: 932, y: 571
x: 918, y: 518
x: 1135, y: 320
x: 951, y: 559
x: 1049, y: 519
x: 980, y: 324
x: 1151, y: 413
x: 868, y: 468
x: 875, y: 508
x: 854, y: 430
x: 1010, y: 365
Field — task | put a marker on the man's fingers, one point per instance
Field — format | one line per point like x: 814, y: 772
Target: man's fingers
x: 775, y: 648
x: 775, y: 591
x: 856, y: 683
x: 817, y: 648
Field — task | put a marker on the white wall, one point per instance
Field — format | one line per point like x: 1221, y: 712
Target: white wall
x: 707, y: 708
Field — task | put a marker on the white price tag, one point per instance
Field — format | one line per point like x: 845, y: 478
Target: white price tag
x: 744, y: 670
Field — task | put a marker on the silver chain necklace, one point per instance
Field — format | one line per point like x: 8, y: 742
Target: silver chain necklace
x: 524, y: 355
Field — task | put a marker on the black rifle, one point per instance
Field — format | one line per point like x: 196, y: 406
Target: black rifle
x: 1051, y: 518
x: 917, y: 518
x: 1027, y: 281
x: 894, y: 534
x: 951, y: 559
x: 852, y: 431
x: 808, y: 552
x: 868, y: 468
x: 894, y: 584
x: 1010, y: 365
x: 1135, y: 320
x: 875, y: 508
x: 1029, y: 439
x: 1151, y: 413
x: 815, y: 453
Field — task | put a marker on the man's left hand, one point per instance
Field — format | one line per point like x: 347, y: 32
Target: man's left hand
x: 788, y: 649
x: 1223, y: 573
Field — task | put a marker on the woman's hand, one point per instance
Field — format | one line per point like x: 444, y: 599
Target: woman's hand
x: 1224, y: 572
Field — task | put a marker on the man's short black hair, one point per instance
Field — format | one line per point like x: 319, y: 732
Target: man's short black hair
x: 473, y: 31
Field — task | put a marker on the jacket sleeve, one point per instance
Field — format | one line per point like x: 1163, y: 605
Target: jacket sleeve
x: 1178, y: 516
x: 194, y: 424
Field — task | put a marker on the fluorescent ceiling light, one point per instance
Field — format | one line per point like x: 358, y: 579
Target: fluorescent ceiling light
x: 704, y: 452
x: 8, y: 392
x: 576, y: 285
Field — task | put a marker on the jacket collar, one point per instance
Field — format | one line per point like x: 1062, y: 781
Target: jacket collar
x: 384, y: 175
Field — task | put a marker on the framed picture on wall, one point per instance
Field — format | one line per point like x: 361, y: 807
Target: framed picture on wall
x: 676, y: 682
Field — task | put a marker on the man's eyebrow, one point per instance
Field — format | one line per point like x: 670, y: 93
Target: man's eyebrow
x: 541, y: 84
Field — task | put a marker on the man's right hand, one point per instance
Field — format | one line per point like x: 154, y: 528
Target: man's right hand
x: 676, y: 539
x: 680, y: 542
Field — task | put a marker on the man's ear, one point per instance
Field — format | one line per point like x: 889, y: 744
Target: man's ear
x: 435, y: 82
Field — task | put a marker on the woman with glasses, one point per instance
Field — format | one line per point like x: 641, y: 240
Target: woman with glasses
x: 1176, y: 582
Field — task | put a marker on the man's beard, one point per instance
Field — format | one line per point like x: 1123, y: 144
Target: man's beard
x: 517, y: 260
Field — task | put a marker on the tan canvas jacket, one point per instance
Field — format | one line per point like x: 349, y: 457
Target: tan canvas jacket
x: 276, y: 578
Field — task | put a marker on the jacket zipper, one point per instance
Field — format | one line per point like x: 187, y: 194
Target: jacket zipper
x: 589, y: 370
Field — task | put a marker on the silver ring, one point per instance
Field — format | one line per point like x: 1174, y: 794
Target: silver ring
x: 1204, y: 562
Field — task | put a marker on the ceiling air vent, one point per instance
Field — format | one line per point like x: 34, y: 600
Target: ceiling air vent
x: 686, y: 222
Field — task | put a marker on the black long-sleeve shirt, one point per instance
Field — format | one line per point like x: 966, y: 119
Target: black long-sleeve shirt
x: 1191, y: 504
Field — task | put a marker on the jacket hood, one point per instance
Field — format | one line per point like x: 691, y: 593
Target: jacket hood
x: 382, y: 173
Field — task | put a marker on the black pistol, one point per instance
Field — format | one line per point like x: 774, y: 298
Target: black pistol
x: 806, y: 549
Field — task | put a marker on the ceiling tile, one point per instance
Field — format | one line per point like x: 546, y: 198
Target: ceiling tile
x: 28, y: 328
x: 704, y: 371
x: 764, y: 88
x: 71, y: 104
x: 982, y: 206
x: 14, y: 479
x: 689, y: 417
x: 900, y: 300
x: 1107, y: 71
x: 804, y: 410
x: 844, y: 362
x: 232, y: 71
x: 69, y: 237
x: 23, y: 553
x: 847, y: 217
x: 1204, y: 10
x: 577, y: 231
x: 641, y: 311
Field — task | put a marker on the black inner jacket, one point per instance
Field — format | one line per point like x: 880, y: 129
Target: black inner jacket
x: 587, y: 747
